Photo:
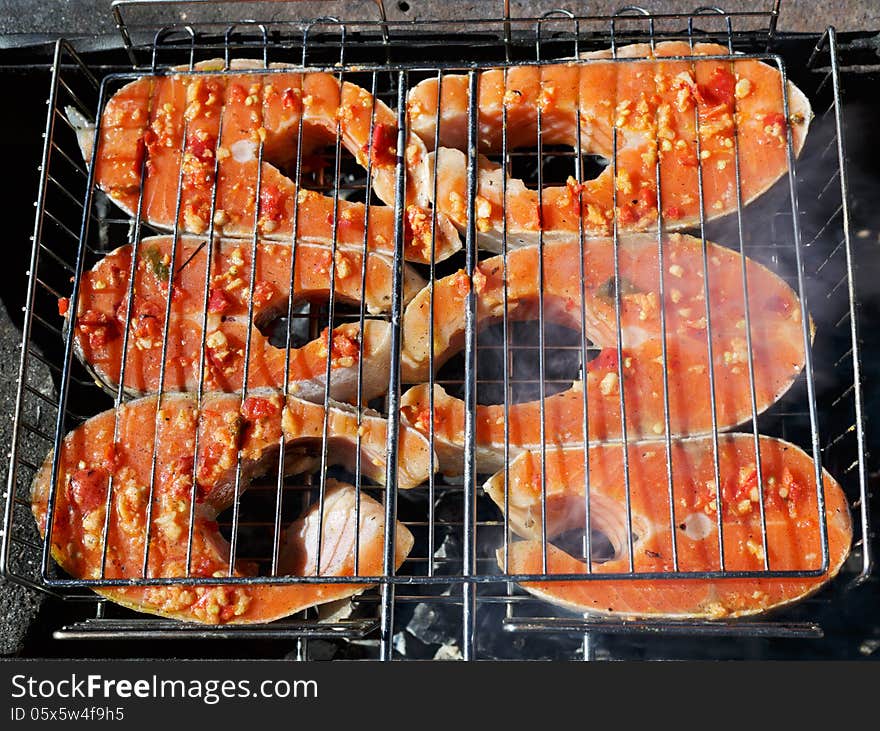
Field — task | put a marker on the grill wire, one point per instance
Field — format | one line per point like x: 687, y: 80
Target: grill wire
x: 450, y: 570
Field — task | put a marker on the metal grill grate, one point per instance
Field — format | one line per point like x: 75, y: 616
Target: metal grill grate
x: 456, y: 527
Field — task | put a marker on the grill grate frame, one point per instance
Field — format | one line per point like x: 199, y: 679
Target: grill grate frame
x: 68, y: 65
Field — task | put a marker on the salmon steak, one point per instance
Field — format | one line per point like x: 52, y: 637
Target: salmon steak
x: 156, y: 489
x: 785, y: 485
x: 207, y: 152
x: 235, y: 321
x: 661, y: 114
x: 776, y: 330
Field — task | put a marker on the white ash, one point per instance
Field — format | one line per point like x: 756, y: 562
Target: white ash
x: 441, y: 551
x: 429, y: 625
x: 448, y: 651
x: 398, y: 642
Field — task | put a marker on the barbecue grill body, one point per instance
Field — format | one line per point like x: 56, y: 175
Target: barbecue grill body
x: 450, y: 594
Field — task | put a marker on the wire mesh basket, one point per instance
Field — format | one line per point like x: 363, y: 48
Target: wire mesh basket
x: 800, y: 231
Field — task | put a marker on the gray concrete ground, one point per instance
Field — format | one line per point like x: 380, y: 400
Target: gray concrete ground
x: 76, y: 18
x: 18, y: 605
x: 87, y: 17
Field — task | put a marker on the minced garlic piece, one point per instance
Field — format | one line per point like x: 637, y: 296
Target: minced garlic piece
x: 608, y: 384
x: 216, y: 340
x: 756, y: 549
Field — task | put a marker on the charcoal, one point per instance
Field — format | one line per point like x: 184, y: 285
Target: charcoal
x: 432, y: 623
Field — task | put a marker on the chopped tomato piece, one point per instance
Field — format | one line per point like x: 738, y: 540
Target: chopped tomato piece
x: 290, y: 99
x: 636, y: 208
x: 218, y: 301
x: 98, y: 327
x: 343, y: 346
x: 63, y: 306
x: 198, y: 168
x: 88, y: 489
x: 383, y: 145
x: 718, y: 90
x: 202, y: 146
x: 255, y: 408
x: 420, y: 418
x: 210, y: 458
x: 146, y: 319
x: 737, y: 489
x: 271, y: 202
